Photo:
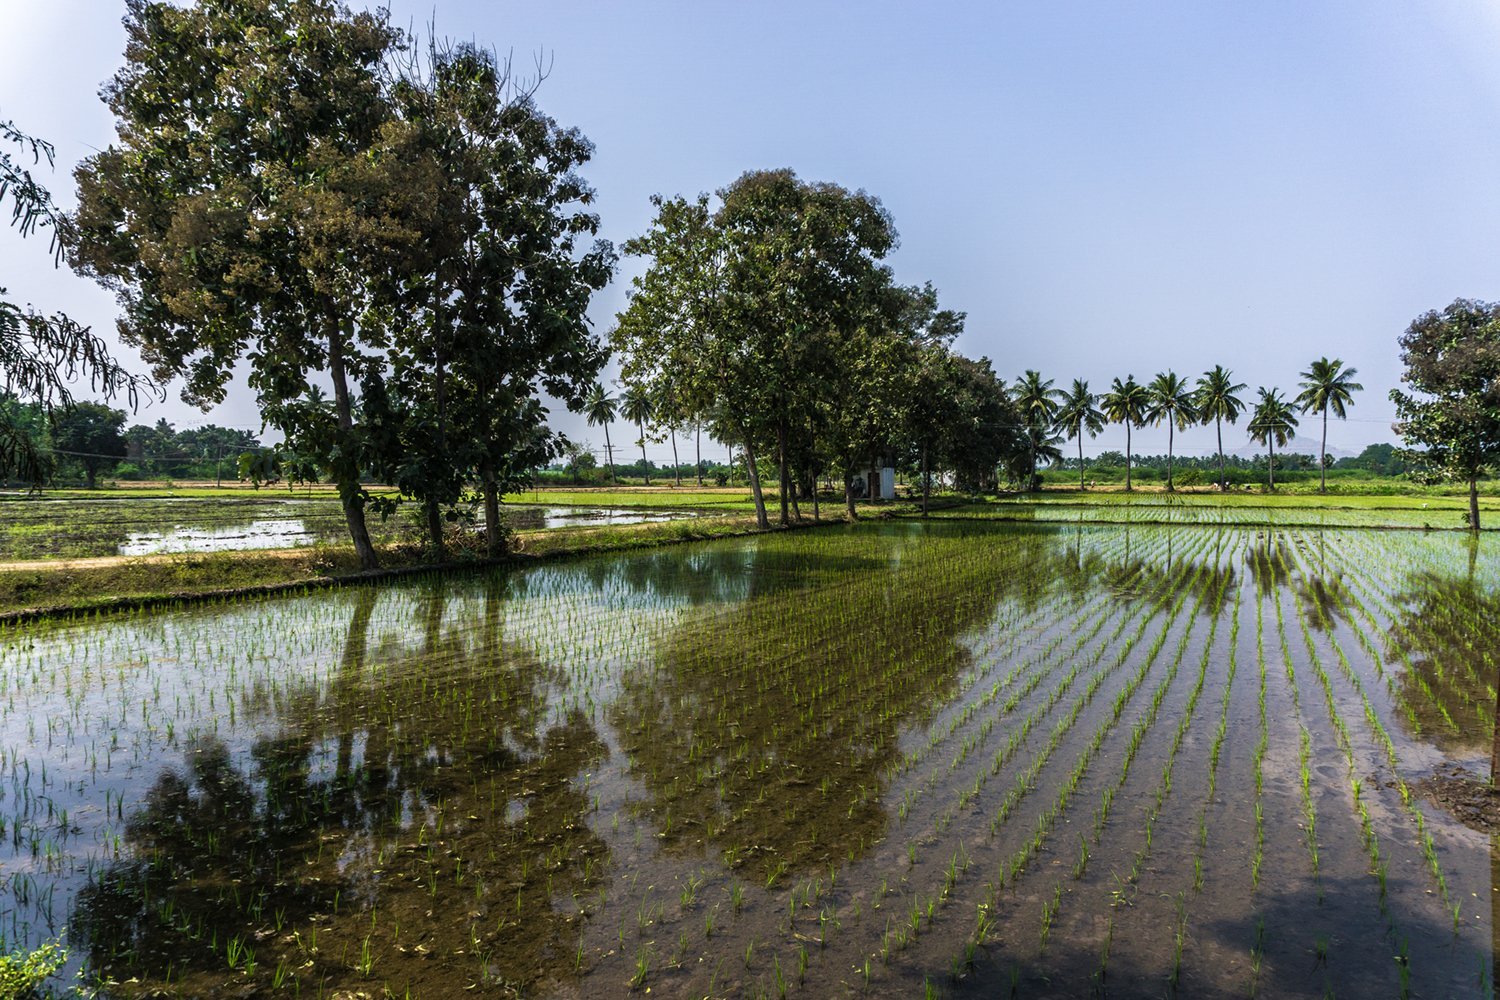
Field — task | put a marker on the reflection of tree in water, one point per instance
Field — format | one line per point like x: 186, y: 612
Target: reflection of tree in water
x: 1449, y: 630
x: 766, y: 730
x: 1270, y: 562
x: 420, y: 813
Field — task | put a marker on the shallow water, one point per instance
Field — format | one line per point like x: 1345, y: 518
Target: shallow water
x: 32, y: 528
x: 1128, y: 760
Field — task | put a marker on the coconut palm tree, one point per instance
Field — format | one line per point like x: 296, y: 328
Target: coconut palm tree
x: 1172, y: 401
x: 1126, y: 403
x: 637, y: 407
x: 1037, y: 401
x: 1216, y: 400
x: 1327, y: 385
x: 1079, y: 413
x: 1272, y: 423
x: 600, y: 408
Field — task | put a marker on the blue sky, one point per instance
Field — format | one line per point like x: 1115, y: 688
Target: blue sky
x: 1104, y: 188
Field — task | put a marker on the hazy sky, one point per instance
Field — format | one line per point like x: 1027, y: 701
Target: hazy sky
x: 1104, y: 188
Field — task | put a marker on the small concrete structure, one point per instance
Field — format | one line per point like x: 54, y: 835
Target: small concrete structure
x: 881, y: 483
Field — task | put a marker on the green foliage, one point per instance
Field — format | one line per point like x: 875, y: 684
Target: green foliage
x: 90, y: 434
x: 1451, y: 416
x: 23, y: 973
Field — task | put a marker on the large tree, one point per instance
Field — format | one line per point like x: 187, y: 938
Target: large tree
x: 492, y: 310
x: 91, y: 434
x: 741, y: 308
x: 259, y: 188
x: 1327, y: 385
x: 1126, y: 403
x: 1451, y: 415
x: 1272, y: 423
x: 1215, y: 398
x: 1172, y: 401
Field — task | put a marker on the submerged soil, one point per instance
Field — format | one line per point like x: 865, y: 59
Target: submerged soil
x: 1466, y: 795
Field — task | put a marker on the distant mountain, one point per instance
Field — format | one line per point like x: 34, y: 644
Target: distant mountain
x: 1298, y: 445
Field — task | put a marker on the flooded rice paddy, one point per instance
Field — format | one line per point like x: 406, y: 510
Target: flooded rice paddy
x: 956, y: 759
x: 32, y: 528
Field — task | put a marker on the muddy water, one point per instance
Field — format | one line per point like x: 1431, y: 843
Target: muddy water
x: 1016, y: 759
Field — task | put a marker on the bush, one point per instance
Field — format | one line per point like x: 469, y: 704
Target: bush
x: 22, y: 973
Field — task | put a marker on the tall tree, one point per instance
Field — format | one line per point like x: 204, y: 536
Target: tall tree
x: 675, y: 329
x: 1126, y: 403
x: 92, y: 434
x: 1171, y: 401
x: 1450, y: 416
x: 600, y: 408
x: 1215, y: 400
x: 636, y: 407
x: 1327, y: 385
x: 1272, y: 423
x: 256, y: 198
x: 492, y: 311
x: 40, y: 356
x: 1038, y: 402
x: 1078, y: 413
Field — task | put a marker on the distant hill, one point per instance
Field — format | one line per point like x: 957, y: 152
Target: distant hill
x: 1298, y: 445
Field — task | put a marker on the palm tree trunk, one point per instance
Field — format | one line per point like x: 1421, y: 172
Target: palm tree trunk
x: 609, y: 451
x: 1271, y: 462
x: 1080, y: 460
x: 676, y: 469
x: 1171, y: 430
x: 1127, y: 456
x: 645, y: 462
x: 1323, y: 456
x: 1219, y: 430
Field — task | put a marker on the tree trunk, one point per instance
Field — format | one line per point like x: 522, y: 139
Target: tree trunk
x: 346, y: 469
x: 782, y: 474
x: 88, y: 473
x: 435, y: 528
x: 817, y: 510
x: 676, y: 469
x: 926, y: 479
x: 1127, y: 456
x: 1271, y: 462
x: 645, y: 462
x: 1219, y: 430
x: 761, y: 521
x: 849, y: 497
x: 1080, y: 461
x: 1323, y: 456
x: 1171, y: 430
x: 698, y: 453
x: 609, y: 452
x: 494, y: 534
x: 1474, y: 506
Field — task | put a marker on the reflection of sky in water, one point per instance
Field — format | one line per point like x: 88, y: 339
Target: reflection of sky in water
x: 281, y: 533
x: 262, y: 534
